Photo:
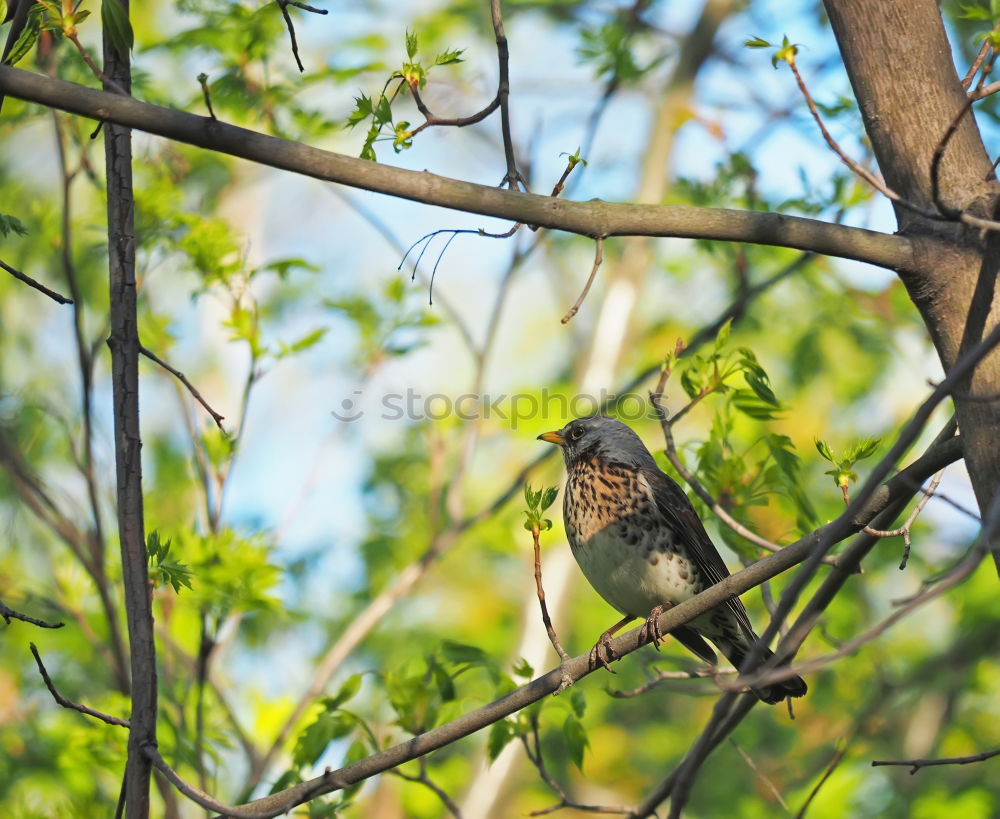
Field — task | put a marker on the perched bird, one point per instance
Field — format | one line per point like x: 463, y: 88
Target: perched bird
x: 641, y: 545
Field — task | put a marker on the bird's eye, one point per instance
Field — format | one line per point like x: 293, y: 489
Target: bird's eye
x: 576, y: 433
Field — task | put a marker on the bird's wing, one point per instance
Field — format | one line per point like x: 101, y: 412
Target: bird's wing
x: 674, y: 505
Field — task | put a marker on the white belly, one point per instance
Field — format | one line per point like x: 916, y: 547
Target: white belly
x: 633, y: 577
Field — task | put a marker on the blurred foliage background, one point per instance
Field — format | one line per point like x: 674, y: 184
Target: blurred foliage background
x: 347, y: 563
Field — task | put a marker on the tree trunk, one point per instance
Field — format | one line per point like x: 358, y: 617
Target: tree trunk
x: 909, y: 96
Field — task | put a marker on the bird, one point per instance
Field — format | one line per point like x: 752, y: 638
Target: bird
x: 642, y: 546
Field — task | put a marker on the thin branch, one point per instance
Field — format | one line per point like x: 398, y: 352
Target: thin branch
x: 977, y: 63
x: 209, y: 802
x: 65, y: 703
x: 830, y: 768
x: 9, y: 614
x: 546, y: 620
x: 585, y: 218
x: 664, y: 676
x: 203, y: 82
x: 757, y: 772
x: 183, y: 379
x: 423, y: 779
x: 598, y: 258
x: 106, y: 81
x: 916, y: 764
x: 904, y: 530
x: 536, y: 759
x: 939, y: 149
x: 283, y: 5
x: 41, y: 288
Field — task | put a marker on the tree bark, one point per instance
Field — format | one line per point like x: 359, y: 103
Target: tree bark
x: 909, y: 97
x: 124, y: 344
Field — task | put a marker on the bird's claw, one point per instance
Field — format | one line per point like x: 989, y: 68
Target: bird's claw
x: 602, y: 658
x: 651, y: 628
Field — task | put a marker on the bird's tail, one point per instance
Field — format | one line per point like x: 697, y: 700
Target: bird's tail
x: 775, y: 692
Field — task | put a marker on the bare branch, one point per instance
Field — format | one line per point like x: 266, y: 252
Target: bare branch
x: 904, y: 530
x: 183, y: 379
x: 41, y: 288
x: 598, y: 258
x: 65, y: 703
x: 757, y: 772
x: 916, y: 764
x: 592, y: 218
x: 9, y: 614
x: 283, y: 5
x: 830, y: 768
x: 546, y: 620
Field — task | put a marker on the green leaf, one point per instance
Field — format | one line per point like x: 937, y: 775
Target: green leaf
x: 115, y: 20
x: 350, y: 687
x: 362, y: 110
x: 313, y: 741
x: 824, y: 449
x: 449, y: 57
x: 977, y: 13
x: 522, y: 668
x: 411, y: 44
x: 862, y: 449
x: 501, y: 733
x: 722, y: 337
x: 576, y: 740
x: 758, y: 381
x: 756, y: 42
x: 11, y: 224
x: 461, y: 653
x: 29, y: 34
x: 548, y: 497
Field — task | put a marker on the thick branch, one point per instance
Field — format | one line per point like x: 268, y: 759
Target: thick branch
x: 594, y: 218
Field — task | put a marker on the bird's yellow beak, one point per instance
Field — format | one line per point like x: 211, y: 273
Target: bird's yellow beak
x: 552, y: 438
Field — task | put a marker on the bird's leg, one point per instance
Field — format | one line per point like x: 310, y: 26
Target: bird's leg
x: 604, y: 642
x: 651, y: 628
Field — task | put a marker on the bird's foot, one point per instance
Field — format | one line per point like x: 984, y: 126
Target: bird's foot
x: 602, y: 652
x: 651, y: 628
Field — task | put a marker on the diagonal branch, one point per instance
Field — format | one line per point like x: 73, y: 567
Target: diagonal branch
x: 594, y: 218
x: 41, y: 288
x: 9, y: 614
x: 65, y: 703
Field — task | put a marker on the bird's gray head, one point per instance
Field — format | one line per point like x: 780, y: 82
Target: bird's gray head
x: 601, y: 438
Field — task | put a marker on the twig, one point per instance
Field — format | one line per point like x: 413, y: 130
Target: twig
x: 664, y: 676
x: 203, y: 82
x: 830, y: 768
x: 190, y: 387
x: 41, y: 288
x: 283, y: 5
x: 904, y: 530
x: 199, y: 797
x: 536, y: 759
x: 423, y: 779
x: 8, y: 614
x: 106, y: 81
x: 65, y: 703
x: 757, y: 772
x: 984, y: 49
x: 546, y: 620
x: 916, y: 764
x: 598, y: 258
